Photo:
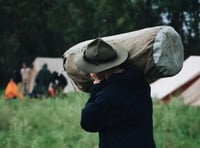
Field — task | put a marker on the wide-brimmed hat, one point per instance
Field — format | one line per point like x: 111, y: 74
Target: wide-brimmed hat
x: 100, y: 56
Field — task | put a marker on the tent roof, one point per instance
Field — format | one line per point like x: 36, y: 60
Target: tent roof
x: 164, y: 86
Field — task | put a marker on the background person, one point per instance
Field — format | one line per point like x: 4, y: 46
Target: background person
x: 26, y: 76
x: 12, y: 91
x: 120, y: 105
x: 42, y: 81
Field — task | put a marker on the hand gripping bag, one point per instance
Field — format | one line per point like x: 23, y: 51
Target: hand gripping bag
x: 157, y: 51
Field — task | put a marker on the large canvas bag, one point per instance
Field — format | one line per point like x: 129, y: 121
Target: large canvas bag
x: 157, y: 51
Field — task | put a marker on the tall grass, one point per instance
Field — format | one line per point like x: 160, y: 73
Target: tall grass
x: 176, y: 125
x: 46, y: 123
x: 54, y: 123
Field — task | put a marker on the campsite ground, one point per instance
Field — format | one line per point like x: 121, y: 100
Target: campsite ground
x: 55, y: 123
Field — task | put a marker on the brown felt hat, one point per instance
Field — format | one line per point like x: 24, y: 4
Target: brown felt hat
x: 100, y: 56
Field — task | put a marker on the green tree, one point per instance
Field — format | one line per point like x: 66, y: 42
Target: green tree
x: 184, y: 16
x: 25, y: 34
x: 31, y: 28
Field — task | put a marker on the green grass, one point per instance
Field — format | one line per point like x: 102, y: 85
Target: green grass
x: 176, y: 125
x: 54, y: 123
x: 46, y: 123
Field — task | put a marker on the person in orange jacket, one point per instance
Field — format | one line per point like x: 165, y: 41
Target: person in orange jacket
x: 12, y: 91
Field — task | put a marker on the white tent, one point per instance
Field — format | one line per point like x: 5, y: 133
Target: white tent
x: 165, y: 87
x: 54, y: 64
x: 192, y: 94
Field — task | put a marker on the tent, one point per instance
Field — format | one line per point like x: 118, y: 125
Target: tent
x: 54, y: 65
x: 185, y: 84
x: 192, y: 94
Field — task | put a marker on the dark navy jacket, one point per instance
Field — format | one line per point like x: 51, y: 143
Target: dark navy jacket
x: 120, y: 109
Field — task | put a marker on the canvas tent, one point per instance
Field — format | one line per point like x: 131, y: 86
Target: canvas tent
x: 192, y: 94
x: 186, y: 83
x: 54, y: 64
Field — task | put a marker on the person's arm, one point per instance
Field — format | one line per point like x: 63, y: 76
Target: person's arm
x: 98, y: 85
x: 95, y: 90
x: 93, y: 115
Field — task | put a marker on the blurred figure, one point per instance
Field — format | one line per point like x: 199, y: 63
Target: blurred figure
x: 42, y: 81
x: 59, y: 81
x: 51, y: 90
x: 26, y: 75
x: 12, y: 91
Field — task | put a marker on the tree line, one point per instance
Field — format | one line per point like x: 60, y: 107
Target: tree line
x: 32, y: 28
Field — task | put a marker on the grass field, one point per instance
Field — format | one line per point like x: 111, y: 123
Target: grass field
x: 54, y: 123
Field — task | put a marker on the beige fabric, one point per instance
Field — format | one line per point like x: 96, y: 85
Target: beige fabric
x: 140, y: 46
x: 192, y: 94
x: 80, y: 79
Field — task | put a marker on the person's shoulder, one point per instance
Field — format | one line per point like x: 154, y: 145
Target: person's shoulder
x: 134, y: 72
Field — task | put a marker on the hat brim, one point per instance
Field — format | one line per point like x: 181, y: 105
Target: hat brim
x: 122, y: 55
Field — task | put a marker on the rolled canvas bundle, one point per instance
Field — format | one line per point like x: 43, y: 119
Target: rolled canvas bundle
x: 157, y: 51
